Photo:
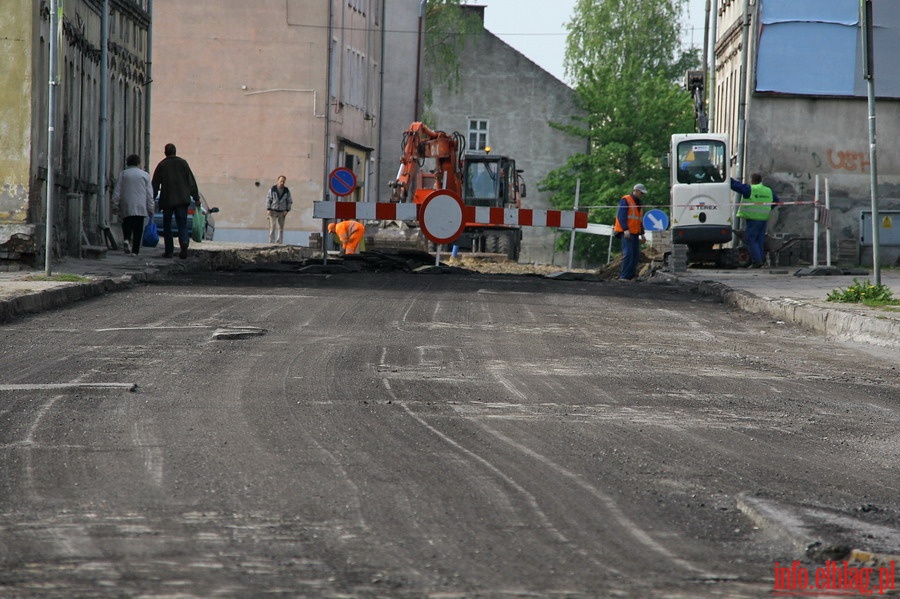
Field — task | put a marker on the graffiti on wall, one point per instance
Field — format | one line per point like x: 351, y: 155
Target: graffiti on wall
x: 844, y: 160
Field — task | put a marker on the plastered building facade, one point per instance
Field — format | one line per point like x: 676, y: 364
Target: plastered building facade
x: 508, y: 102
x: 248, y: 91
x: 82, y: 215
x: 807, y: 115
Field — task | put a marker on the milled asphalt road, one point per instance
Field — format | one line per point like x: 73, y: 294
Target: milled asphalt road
x: 777, y: 292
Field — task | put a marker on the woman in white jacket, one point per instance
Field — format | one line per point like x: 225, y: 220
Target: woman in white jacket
x: 134, y: 194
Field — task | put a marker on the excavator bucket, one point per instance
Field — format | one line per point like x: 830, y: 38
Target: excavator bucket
x: 385, y: 235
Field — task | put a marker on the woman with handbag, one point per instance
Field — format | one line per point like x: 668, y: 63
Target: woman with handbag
x: 134, y: 195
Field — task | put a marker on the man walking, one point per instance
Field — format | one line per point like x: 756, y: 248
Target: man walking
x: 174, y: 185
x: 629, y: 228
x: 755, y: 210
x: 278, y: 204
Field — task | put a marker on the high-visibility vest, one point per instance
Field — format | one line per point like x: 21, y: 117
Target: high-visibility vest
x: 635, y: 217
x: 345, y: 229
x: 759, y: 205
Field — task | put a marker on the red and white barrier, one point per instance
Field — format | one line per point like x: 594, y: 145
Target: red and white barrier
x: 523, y: 217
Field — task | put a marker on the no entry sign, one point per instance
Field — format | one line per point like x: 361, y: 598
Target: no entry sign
x: 441, y: 216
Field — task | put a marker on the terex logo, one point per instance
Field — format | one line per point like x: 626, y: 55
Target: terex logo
x: 704, y: 207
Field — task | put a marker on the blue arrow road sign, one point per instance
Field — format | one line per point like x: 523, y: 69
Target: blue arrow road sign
x: 656, y: 220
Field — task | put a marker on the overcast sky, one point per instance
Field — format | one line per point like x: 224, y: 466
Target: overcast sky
x: 537, y: 28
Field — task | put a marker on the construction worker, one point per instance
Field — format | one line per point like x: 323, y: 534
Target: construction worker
x: 350, y: 233
x: 629, y: 228
x: 755, y: 209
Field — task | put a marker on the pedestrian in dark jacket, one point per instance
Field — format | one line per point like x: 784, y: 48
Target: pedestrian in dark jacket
x: 175, y: 186
x: 278, y: 204
x: 134, y: 195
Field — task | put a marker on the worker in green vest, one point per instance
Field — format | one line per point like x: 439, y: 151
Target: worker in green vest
x: 755, y: 209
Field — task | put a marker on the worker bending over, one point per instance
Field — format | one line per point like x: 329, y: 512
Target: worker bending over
x: 350, y: 233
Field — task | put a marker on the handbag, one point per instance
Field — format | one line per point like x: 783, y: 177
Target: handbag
x: 151, y: 235
x: 198, y: 226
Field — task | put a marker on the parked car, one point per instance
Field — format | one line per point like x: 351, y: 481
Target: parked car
x: 210, y: 221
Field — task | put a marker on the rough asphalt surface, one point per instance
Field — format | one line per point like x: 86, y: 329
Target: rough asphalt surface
x: 779, y: 296
x: 778, y: 293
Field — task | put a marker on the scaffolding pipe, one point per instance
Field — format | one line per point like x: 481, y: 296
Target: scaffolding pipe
x: 815, y: 247
x: 827, y: 224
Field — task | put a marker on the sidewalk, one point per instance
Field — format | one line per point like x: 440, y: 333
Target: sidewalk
x: 801, y: 300
x: 776, y: 292
x: 27, y: 292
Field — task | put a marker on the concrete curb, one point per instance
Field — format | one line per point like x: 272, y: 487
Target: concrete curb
x: 65, y: 294
x: 836, y: 323
x: 60, y: 294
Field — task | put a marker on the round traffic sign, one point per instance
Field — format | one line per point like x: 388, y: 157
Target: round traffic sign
x: 441, y: 216
x: 656, y: 220
x: 342, y: 181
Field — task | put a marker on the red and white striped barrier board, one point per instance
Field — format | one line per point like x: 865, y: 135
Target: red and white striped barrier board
x: 366, y: 210
x: 523, y: 217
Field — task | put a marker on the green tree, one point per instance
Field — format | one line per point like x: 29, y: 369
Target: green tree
x: 626, y: 63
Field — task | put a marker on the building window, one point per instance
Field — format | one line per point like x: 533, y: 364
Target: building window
x: 478, y: 134
x: 354, y: 80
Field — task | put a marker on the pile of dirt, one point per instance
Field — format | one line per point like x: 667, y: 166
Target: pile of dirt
x: 410, y: 260
x: 499, y: 266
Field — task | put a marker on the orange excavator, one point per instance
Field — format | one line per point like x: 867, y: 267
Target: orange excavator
x: 478, y: 178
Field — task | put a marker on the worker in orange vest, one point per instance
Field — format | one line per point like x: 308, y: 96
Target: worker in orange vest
x: 350, y: 233
x: 629, y: 228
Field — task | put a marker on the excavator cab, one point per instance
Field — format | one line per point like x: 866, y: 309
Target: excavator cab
x: 492, y: 182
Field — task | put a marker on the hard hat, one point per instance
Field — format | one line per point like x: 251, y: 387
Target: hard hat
x: 640, y: 188
x: 331, y: 227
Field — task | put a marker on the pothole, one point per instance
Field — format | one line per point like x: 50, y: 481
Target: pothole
x: 238, y: 332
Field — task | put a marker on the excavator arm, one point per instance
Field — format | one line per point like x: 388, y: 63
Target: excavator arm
x: 419, y: 143
x: 695, y: 83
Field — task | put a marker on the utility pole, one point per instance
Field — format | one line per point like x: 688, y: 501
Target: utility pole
x: 712, y: 19
x: 868, y: 42
x: 419, y: 49
x: 55, y: 10
x: 104, y: 119
x: 148, y: 86
x: 742, y: 104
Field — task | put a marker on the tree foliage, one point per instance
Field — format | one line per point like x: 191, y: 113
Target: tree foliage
x: 626, y: 63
